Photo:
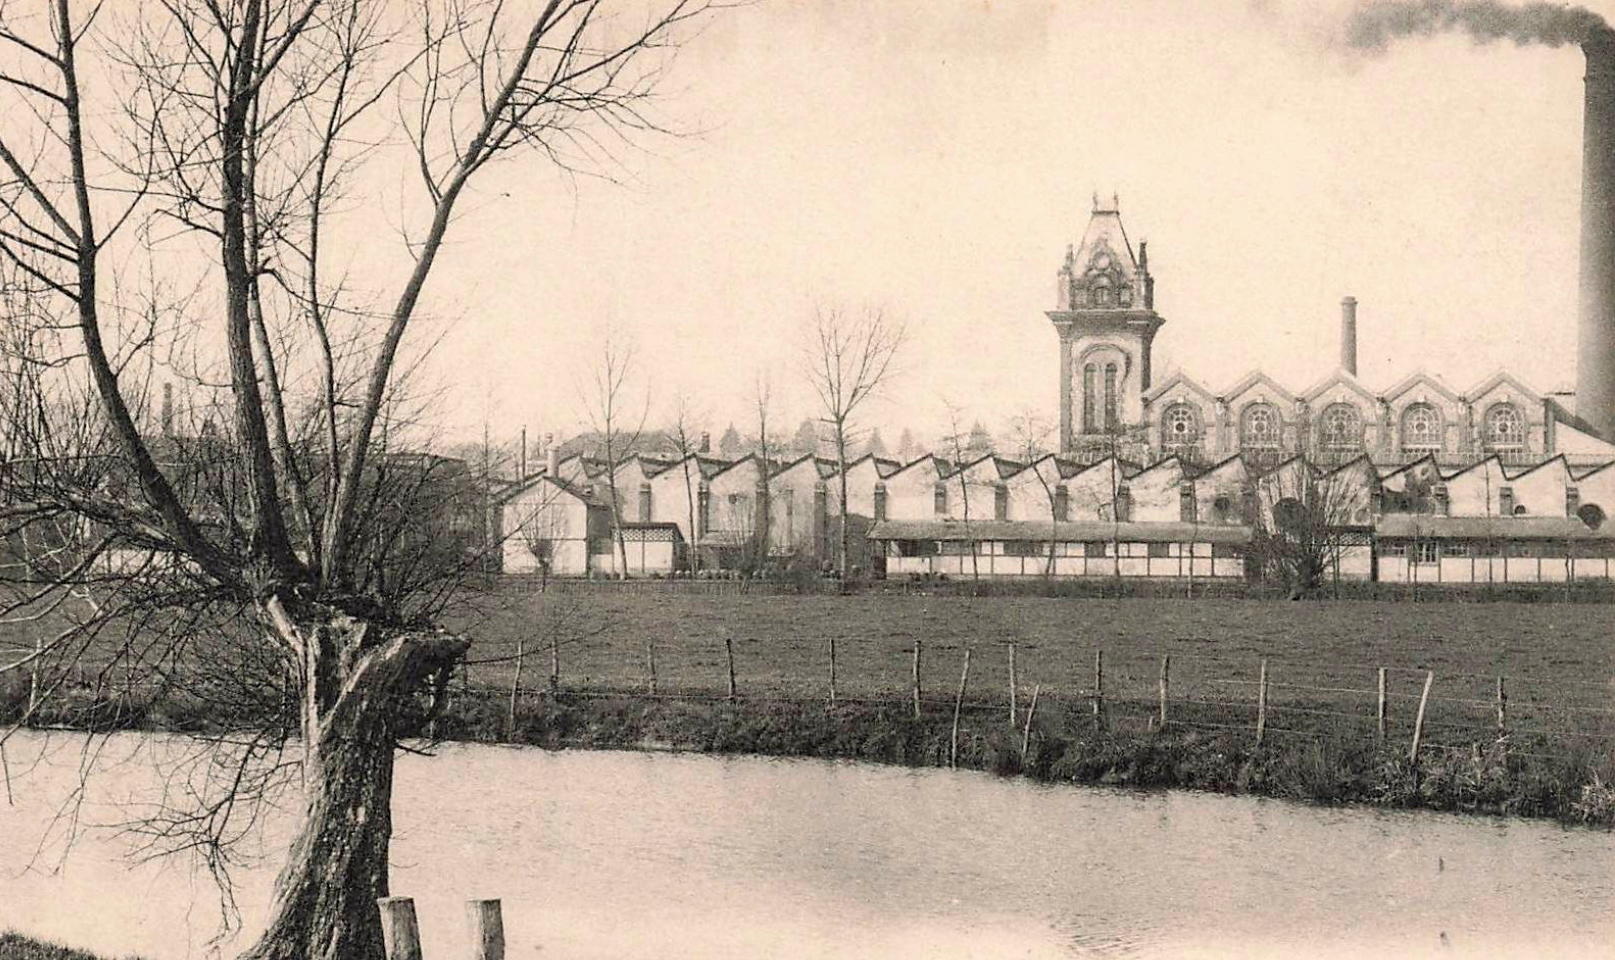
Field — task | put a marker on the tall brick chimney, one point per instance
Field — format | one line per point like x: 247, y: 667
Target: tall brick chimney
x: 1595, y: 328
x: 1348, y: 335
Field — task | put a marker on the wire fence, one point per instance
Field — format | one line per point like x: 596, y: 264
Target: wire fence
x: 1417, y: 706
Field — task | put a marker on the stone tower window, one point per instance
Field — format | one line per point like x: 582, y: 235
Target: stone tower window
x: 1421, y: 430
x: 1504, y: 427
x: 1112, y: 420
x: 1090, y: 398
x: 1259, y: 427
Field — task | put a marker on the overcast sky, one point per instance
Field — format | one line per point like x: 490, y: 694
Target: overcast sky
x: 935, y: 157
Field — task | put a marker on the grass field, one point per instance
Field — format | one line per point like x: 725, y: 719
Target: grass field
x: 1558, y: 660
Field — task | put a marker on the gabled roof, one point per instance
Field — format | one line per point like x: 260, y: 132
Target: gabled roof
x: 1340, y: 377
x: 1105, y: 230
x: 1417, y: 377
x: 1170, y: 460
x: 1484, y: 461
x: 1234, y: 460
x: 1501, y: 376
x: 1428, y: 460
x: 1361, y: 460
x: 1533, y: 468
x: 824, y: 468
x: 563, y: 486
x: 1487, y: 528
x: 1180, y: 378
x: 1253, y: 378
x: 884, y: 466
x: 941, y: 466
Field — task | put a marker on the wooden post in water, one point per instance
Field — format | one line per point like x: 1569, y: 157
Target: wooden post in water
x: 1013, y: 712
x: 832, y: 671
x: 1261, y: 704
x: 487, y: 926
x: 1026, y: 734
x: 1099, y: 689
x: 650, y: 668
x: 916, y: 677
x: 1502, y: 710
x: 1418, y: 721
x: 1379, y: 710
x: 1166, y: 680
x: 400, y: 934
x: 555, y: 664
x: 729, y: 654
x: 958, y: 704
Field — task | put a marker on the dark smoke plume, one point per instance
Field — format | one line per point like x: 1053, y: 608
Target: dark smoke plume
x: 1374, y: 25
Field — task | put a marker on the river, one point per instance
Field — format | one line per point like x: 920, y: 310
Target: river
x: 633, y: 856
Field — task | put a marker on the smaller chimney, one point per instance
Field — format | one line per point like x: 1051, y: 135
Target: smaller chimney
x: 1443, y: 500
x: 1572, y: 501
x: 1187, y: 505
x: 554, y: 458
x: 1348, y: 335
x: 1505, y: 501
x: 168, y: 410
x: 706, y: 443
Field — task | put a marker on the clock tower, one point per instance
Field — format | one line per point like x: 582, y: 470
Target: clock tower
x: 1106, y: 321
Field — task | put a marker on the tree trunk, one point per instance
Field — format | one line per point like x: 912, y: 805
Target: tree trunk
x: 325, y: 897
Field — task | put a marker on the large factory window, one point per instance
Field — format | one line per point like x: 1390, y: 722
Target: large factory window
x: 1421, y: 430
x: 1180, y: 426
x: 1340, y: 432
x: 1503, y: 430
x: 1259, y: 427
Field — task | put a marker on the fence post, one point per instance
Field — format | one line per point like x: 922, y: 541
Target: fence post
x: 832, y: 671
x: 650, y: 666
x: 1418, y: 722
x: 1013, y: 712
x: 916, y: 677
x: 1166, y: 680
x: 1026, y: 734
x: 555, y: 664
x: 1379, y: 710
x: 1261, y: 704
x: 487, y: 930
x: 729, y: 654
x: 958, y: 704
x: 1099, y: 688
x: 1502, y: 710
x: 400, y: 934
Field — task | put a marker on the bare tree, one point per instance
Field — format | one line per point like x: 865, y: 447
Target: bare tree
x: 618, y: 417
x: 762, y: 400
x: 1305, y: 521
x: 1030, y: 433
x: 690, y: 447
x: 287, y: 543
x: 955, y: 444
x: 849, y: 358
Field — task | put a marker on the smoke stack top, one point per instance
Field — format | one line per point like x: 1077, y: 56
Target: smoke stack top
x: 1348, y: 335
x: 1373, y: 26
x: 1595, y: 325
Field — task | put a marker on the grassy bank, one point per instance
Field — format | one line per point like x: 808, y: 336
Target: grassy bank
x: 15, y: 946
x: 1064, y: 745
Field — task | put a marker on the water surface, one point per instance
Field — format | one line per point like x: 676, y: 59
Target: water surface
x: 633, y: 856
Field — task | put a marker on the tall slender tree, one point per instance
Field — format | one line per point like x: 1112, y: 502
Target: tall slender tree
x: 288, y: 557
x: 849, y: 357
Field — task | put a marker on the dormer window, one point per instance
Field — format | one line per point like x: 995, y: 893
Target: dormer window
x: 1101, y: 294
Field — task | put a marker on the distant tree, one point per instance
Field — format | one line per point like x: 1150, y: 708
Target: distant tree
x: 686, y: 437
x: 849, y: 357
x: 979, y: 443
x: 876, y: 447
x: 806, y: 440
x: 730, y: 445
x: 1305, y: 520
x: 765, y: 450
x: 1029, y: 435
x: 954, y: 445
x: 907, y: 447
x: 617, y: 407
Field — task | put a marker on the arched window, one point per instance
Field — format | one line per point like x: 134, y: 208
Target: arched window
x: 1340, y: 430
x: 1090, y: 398
x: 1421, y: 430
x: 1112, y: 420
x: 1503, y: 428
x: 1259, y: 427
x: 1180, y: 426
x: 1100, y: 293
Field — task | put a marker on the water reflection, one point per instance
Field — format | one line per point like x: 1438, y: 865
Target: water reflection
x: 627, y: 856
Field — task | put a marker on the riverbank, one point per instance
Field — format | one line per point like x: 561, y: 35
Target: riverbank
x: 1062, y: 745
x: 15, y: 946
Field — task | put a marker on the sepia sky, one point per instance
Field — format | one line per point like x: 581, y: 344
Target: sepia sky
x: 935, y: 157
